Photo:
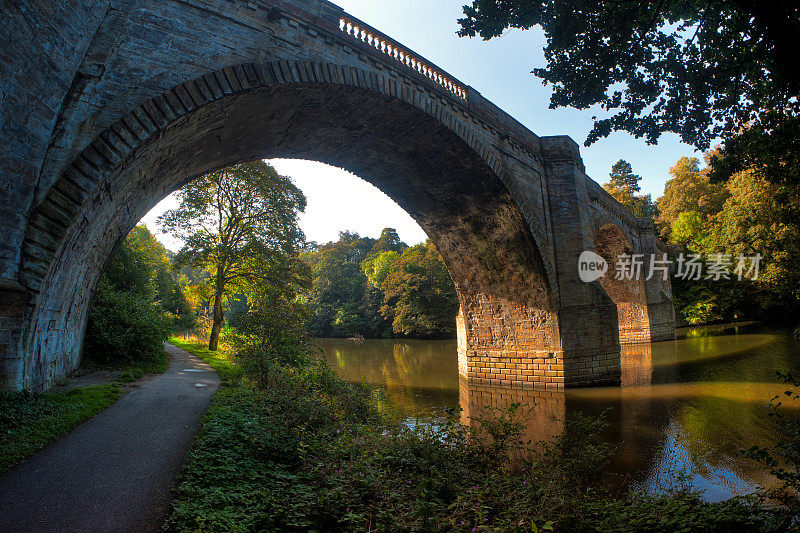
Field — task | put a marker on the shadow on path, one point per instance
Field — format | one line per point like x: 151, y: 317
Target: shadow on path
x: 115, y: 471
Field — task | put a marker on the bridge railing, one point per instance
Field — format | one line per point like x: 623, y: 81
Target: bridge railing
x: 334, y: 19
x: 371, y: 37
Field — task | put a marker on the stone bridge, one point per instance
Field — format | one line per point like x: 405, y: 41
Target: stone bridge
x: 110, y: 105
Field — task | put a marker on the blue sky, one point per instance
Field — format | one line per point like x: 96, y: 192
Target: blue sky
x: 500, y: 70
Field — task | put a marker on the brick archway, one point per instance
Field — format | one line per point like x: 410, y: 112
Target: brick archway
x: 154, y: 117
x: 629, y: 295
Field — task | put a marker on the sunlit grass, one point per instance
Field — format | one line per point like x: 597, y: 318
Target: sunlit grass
x: 219, y: 360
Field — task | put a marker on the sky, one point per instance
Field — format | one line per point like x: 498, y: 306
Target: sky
x: 500, y: 70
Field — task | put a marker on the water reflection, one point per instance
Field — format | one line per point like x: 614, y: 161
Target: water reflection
x: 544, y: 415
x: 689, y: 404
x: 419, y: 375
x: 636, y: 361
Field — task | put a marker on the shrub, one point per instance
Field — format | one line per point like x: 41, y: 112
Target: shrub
x: 124, y: 327
x: 701, y: 312
x: 783, y: 457
x: 269, y: 332
x: 310, y: 452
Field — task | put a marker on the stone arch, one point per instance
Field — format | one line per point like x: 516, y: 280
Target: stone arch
x: 113, y: 145
x: 403, y: 141
x: 629, y: 295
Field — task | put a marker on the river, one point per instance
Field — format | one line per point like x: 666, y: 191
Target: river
x: 685, y: 410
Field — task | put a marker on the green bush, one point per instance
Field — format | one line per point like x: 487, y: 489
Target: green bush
x: 270, y: 330
x: 124, y: 327
x: 701, y: 312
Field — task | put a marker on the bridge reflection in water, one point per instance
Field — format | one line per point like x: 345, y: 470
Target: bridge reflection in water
x: 689, y: 404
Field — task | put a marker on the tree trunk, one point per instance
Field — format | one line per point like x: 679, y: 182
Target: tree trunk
x: 217, y: 317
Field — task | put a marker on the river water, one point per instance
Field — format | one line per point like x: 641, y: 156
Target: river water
x: 685, y: 410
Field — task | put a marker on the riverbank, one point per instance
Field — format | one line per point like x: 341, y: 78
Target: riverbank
x: 28, y: 422
x: 312, y: 452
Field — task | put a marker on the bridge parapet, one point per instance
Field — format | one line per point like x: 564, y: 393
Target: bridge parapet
x: 380, y: 46
x: 380, y: 42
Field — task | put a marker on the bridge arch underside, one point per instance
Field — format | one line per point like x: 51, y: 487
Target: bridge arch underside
x: 628, y: 293
x: 508, y: 326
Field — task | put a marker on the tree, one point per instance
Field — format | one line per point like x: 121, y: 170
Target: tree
x: 144, y: 266
x: 419, y: 296
x: 623, y: 178
x: 342, y: 301
x: 623, y: 186
x: 376, y: 267
x: 271, y: 319
x: 748, y: 215
x: 234, y: 221
x: 690, y: 189
x: 702, y: 69
x: 170, y: 295
x: 691, y: 230
x: 389, y: 241
x: 125, y: 320
x: 134, y: 264
x: 363, y: 288
x: 761, y: 217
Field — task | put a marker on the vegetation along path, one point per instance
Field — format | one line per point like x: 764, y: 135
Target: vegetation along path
x: 114, y: 472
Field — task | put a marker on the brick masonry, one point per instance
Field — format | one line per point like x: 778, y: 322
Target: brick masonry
x: 110, y: 105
